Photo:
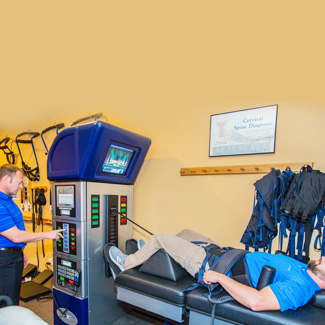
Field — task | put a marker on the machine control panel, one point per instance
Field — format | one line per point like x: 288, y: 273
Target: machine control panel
x: 65, y: 200
x: 124, y: 209
x: 67, y: 274
x: 95, y: 210
x: 67, y: 244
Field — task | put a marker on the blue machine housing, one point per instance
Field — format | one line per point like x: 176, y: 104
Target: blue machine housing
x: 79, y: 152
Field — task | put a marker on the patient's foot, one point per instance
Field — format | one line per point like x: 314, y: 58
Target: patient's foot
x: 115, y: 258
x: 140, y: 243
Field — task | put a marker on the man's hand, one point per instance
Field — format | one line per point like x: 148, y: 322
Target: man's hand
x: 55, y: 234
x: 21, y: 236
x: 256, y: 300
x: 25, y: 260
x: 210, y: 277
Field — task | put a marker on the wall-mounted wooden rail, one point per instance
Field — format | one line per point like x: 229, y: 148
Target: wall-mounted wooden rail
x: 242, y: 169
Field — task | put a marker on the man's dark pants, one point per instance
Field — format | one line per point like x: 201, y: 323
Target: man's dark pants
x: 11, y: 268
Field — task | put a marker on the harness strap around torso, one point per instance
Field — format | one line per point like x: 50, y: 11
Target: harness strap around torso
x: 223, y: 264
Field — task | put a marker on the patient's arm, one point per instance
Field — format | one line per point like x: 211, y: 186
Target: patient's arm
x: 256, y: 300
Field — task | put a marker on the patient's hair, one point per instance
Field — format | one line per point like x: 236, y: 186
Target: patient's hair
x: 9, y: 170
x: 313, y: 267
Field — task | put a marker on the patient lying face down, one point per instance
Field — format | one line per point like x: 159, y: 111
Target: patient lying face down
x: 294, y: 284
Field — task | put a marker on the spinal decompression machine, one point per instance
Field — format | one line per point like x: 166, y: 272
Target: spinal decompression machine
x: 93, y: 168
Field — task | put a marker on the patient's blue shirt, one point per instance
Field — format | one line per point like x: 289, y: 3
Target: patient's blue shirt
x: 292, y: 285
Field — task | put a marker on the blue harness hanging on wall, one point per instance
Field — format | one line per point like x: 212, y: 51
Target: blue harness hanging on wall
x: 31, y: 173
x: 288, y: 201
x: 303, y: 205
x: 6, y: 150
x: 262, y: 227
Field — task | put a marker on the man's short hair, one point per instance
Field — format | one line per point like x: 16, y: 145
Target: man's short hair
x: 9, y: 169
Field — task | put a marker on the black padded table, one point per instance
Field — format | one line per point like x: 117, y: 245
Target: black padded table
x: 154, y: 294
x: 234, y: 313
x: 158, y: 287
x: 167, y: 299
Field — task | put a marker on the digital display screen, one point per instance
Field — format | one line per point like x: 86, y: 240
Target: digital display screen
x: 65, y: 197
x: 117, y: 160
x: 66, y: 263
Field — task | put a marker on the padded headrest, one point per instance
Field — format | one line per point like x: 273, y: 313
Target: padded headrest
x: 161, y: 264
x: 319, y: 299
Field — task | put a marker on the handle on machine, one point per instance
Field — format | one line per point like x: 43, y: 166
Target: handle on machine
x: 94, y: 116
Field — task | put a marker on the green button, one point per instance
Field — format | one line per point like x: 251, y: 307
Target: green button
x: 94, y: 211
x: 95, y: 223
x: 94, y: 217
x: 123, y: 210
x: 94, y: 199
x: 73, y: 239
x: 94, y: 205
x: 62, y: 278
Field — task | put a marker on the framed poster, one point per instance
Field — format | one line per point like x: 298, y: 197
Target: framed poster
x: 250, y: 131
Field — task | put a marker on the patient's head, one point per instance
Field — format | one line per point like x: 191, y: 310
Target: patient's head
x: 317, y: 267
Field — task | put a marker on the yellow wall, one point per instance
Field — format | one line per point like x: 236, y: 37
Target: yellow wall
x: 162, y: 69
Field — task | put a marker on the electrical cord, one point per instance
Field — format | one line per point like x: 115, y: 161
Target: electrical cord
x: 64, y: 312
x: 47, y: 266
x: 220, y: 299
x: 49, y: 296
x: 124, y: 216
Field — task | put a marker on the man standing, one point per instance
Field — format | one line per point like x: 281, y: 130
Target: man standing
x: 13, y: 236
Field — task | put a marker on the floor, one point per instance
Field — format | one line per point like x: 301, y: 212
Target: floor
x: 44, y: 309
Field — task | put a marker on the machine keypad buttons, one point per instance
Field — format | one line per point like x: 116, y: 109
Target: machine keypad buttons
x: 68, y: 243
x: 67, y: 274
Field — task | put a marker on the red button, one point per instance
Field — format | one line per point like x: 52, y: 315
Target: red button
x: 72, y: 230
x: 71, y: 282
x: 123, y: 199
x: 123, y: 220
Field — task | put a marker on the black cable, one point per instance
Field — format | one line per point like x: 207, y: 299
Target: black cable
x: 37, y: 255
x: 124, y: 216
x: 220, y: 299
x: 45, y: 298
x: 69, y: 304
x: 213, y: 312
x: 43, y: 240
x: 47, y: 266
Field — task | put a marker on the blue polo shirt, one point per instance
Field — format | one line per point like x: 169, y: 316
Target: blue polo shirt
x: 10, y: 216
x: 292, y: 285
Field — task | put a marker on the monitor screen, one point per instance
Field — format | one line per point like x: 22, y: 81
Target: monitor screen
x: 117, y: 160
x: 65, y: 196
x: 65, y: 200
